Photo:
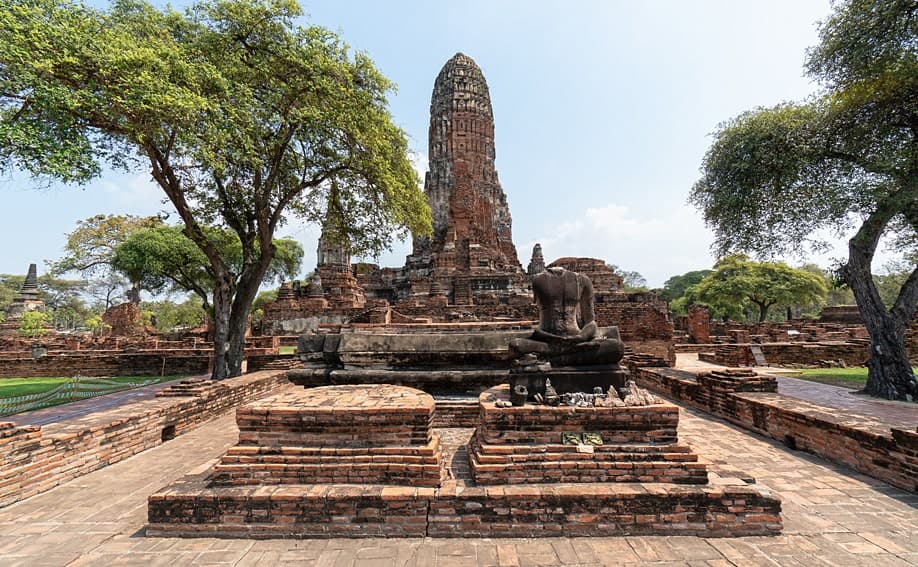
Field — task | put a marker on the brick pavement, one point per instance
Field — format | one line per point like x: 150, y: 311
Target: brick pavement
x: 832, y: 516
x: 893, y: 413
x: 81, y: 408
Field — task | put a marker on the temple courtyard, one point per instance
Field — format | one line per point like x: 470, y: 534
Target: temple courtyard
x: 832, y: 516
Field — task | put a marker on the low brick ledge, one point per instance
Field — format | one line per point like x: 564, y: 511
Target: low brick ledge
x: 34, y: 459
x: 192, y: 508
x: 868, y: 445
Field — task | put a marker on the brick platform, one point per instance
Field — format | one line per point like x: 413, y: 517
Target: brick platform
x: 192, y: 508
x: 335, y: 434
x: 264, y: 488
x: 877, y: 447
x: 522, y: 445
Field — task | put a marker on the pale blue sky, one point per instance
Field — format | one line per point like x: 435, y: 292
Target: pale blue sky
x: 602, y: 113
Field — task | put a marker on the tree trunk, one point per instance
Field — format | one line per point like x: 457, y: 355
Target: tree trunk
x: 763, y: 309
x: 890, y: 374
x: 246, y: 289
x: 223, y: 302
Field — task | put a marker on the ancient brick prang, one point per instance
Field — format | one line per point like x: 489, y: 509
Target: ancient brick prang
x: 471, y: 218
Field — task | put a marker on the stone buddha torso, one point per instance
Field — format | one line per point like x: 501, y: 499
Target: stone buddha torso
x: 565, y: 301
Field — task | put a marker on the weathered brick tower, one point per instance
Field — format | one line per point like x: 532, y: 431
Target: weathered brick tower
x: 471, y: 219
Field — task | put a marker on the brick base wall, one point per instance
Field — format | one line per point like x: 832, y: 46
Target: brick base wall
x: 888, y: 454
x: 189, y: 508
x: 34, y: 459
x: 852, y: 353
x: 124, y: 364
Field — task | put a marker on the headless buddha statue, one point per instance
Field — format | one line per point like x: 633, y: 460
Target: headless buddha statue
x: 567, y: 333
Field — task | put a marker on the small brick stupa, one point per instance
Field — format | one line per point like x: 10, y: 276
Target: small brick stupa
x: 28, y: 298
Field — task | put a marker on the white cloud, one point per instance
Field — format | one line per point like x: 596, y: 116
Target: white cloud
x: 671, y: 242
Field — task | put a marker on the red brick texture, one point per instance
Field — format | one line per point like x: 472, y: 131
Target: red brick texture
x: 522, y: 445
x: 333, y: 435
x: 34, y: 459
x: 875, y: 449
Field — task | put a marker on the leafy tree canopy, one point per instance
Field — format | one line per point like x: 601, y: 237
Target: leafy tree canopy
x: 676, y: 286
x: 170, y: 316
x: 33, y: 324
x: 631, y: 280
x: 162, y: 257
x: 91, y: 246
x: 846, y: 158
x: 737, y: 279
x: 241, y: 116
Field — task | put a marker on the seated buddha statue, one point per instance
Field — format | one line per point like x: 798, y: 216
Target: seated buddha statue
x: 567, y: 334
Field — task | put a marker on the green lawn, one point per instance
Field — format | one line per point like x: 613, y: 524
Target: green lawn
x: 11, y: 387
x: 848, y: 377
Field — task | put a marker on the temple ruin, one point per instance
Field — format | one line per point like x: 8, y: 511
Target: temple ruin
x: 468, y: 270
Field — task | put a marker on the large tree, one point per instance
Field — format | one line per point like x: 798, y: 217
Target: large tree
x: 676, y: 286
x: 845, y: 159
x: 241, y: 116
x: 736, y: 280
x: 162, y: 258
x: 91, y: 247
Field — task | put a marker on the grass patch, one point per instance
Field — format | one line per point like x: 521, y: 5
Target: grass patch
x: 287, y: 349
x: 847, y: 377
x: 12, y: 387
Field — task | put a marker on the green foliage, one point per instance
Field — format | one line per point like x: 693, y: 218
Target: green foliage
x: 33, y: 324
x: 847, y: 157
x: 893, y: 279
x: 242, y: 117
x: 679, y: 291
x: 64, y: 303
x: 90, y: 250
x: 676, y: 286
x: 736, y: 280
x: 170, y: 316
x: 631, y: 281
x: 162, y: 258
x: 91, y: 245
x: 774, y: 176
x: 258, y: 305
x: 96, y: 325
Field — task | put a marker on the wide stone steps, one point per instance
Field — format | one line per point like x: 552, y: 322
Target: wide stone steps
x: 416, y: 466
x: 676, y: 464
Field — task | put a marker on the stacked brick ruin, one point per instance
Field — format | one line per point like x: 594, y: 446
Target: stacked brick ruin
x: 308, y: 436
x: 121, y: 356
x: 27, y: 300
x: 837, y: 338
x: 523, y: 445
x: 360, y: 461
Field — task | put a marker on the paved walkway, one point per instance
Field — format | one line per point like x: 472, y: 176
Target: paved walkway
x: 87, y: 406
x: 832, y: 516
x: 898, y: 414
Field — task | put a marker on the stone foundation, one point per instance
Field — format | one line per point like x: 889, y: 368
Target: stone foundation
x: 792, y: 354
x: 335, y: 435
x: 522, y: 445
x: 193, y: 508
x: 752, y: 401
x: 339, y: 429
